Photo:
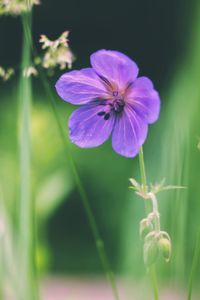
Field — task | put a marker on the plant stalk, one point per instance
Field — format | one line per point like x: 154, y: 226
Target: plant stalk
x: 27, y: 232
x: 152, y: 269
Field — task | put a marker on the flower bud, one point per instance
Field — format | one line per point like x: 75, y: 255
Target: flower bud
x: 165, y: 248
x: 145, y: 228
x: 151, y: 251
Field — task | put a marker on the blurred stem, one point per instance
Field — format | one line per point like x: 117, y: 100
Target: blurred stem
x: 152, y: 269
x: 154, y: 282
x: 92, y: 222
x: 99, y: 242
x: 90, y: 215
x: 28, y: 281
x: 1, y: 272
x: 194, y: 266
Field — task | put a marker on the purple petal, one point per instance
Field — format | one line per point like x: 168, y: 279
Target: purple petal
x: 115, y: 67
x: 80, y: 87
x: 143, y: 82
x: 87, y: 128
x: 130, y: 132
x: 144, y: 99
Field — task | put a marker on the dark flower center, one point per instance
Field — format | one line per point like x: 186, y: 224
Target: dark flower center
x: 116, y: 105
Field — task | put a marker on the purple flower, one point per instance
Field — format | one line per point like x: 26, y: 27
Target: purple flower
x: 114, y: 101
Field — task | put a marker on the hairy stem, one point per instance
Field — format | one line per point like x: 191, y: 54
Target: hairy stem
x: 155, y: 211
x: 142, y: 170
x: 152, y: 270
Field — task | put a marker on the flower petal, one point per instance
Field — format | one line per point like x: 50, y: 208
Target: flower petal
x: 80, y: 87
x: 115, y: 67
x: 144, y: 99
x: 87, y: 128
x: 130, y: 132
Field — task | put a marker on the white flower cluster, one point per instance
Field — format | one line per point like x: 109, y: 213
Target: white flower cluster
x: 16, y: 7
x: 57, y: 53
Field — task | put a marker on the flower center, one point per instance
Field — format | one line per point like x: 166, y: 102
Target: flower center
x: 116, y: 105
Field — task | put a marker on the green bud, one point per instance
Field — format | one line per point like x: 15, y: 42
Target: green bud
x: 151, y: 251
x: 145, y: 228
x: 165, y: 248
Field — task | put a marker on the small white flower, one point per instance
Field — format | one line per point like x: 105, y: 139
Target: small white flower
x: 57, y: 53
x: 6, y: 74
x: 29, y: 71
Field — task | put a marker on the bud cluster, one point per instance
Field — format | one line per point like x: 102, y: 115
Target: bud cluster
x: 155, y: 242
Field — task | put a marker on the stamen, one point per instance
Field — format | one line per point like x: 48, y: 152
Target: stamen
x: 107, y: 116
x: 129, y: 85
x: 118, y: 105
x: 101, y: 113
x: 121, y: 104
x: 105, y: 80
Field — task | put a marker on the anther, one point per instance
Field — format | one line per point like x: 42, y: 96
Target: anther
x: 107, y: 116
x: 105, y: 80
x: 101, y: 113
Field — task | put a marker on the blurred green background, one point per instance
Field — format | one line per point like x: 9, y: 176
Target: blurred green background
x: 163, y: 37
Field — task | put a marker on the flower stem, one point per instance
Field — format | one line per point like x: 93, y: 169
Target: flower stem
x: 99, y: 242
x: 152, y: 270
x: 28, y: 281
x: 194, y: 268
x: 155, y: 211
x: 92, y: 222
x: 1, y: 275
x: 154, y: 282
x: 90, y: 215
x: 142, y: 170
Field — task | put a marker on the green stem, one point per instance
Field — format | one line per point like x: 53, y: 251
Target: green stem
x: 92, y: 222
x: 2, y: 278
x: 194, y: 267
x: 142, y: 170
x: 28, y: 282
x: 99, y: 242
x: 153, y: 276
x: 154, y: 282
x: 155, y: 211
